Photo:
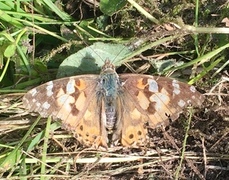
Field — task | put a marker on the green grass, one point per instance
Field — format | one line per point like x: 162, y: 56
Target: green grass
x: 185, y: 40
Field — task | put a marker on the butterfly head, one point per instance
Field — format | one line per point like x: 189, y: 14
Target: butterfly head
x: 107, y: 67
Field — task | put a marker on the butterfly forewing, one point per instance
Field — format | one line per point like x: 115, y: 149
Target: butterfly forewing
x: 56, y: 98
x: 160, y: 97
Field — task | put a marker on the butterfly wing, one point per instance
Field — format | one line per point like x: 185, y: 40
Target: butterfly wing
x: 143, y: 100
x: 149, y: 100
x: 73, y: 100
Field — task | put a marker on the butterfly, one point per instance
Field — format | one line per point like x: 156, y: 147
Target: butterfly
x: 112, y: 108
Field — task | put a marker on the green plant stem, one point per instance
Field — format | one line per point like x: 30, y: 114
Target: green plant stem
x: 5, y: 68
x: 143, y: 11
x: 184, y: 145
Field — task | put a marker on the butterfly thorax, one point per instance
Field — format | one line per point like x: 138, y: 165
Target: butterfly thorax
x: 109, y: 90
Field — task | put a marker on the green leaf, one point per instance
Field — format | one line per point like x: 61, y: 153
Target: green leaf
x: 109, y: 7
x: 40, y: 67
x: 92, y: 58
x: 10, y: 50
x: 64, y: 16
x: 5, y: 17
x: 11, y: 160
x: 163, y: 65
x: 7, y: 36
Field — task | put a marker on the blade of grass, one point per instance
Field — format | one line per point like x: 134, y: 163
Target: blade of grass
x: 40, y: 135
x: 177, y: 173
x: 21, y: 52
x: 5, y: 6
x: 14, y: 157
x: 45, y: 147
x: 202, y: 59
x: 196, y: 24
x: 149, y: 46
x: 55, y: 9
x: 18, y: 87
x: 5, y: 68
x: 23, y: 169
x: 38, y: 19
x: 5, y: 17
x: 44, y: 30
x: 143, y: 11
x: 208, y: 30
x: 24, y: 59
x: 220, y: 68
x: 206, y: 70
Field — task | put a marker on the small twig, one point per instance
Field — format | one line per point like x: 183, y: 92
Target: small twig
x: 205, y: 157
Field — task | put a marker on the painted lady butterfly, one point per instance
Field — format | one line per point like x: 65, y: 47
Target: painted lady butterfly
x: 120, y: 107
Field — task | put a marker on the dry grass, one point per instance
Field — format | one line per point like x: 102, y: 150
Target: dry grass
x: 193, y: 147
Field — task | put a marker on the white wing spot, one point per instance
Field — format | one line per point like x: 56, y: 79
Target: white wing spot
x: 160, y: 99
x: 62, y: 99
x: 33, y: 92
x: 38, y: 104
x: 49, y: 89
x: 193, y: 97
x: 181, y: 103
x: 176, y: 86
x: 163, y: 97
x: 193, y: 89
x: 34, y: 100
x: 153, y: 86
x: 70, y: 87
x: 46, y: 105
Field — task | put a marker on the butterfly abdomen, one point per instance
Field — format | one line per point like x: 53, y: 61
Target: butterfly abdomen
x: 110, y: 112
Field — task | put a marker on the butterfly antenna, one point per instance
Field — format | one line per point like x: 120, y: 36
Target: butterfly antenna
x: 107, y: 58
x: 88, y: 45
x: 117, y: 55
